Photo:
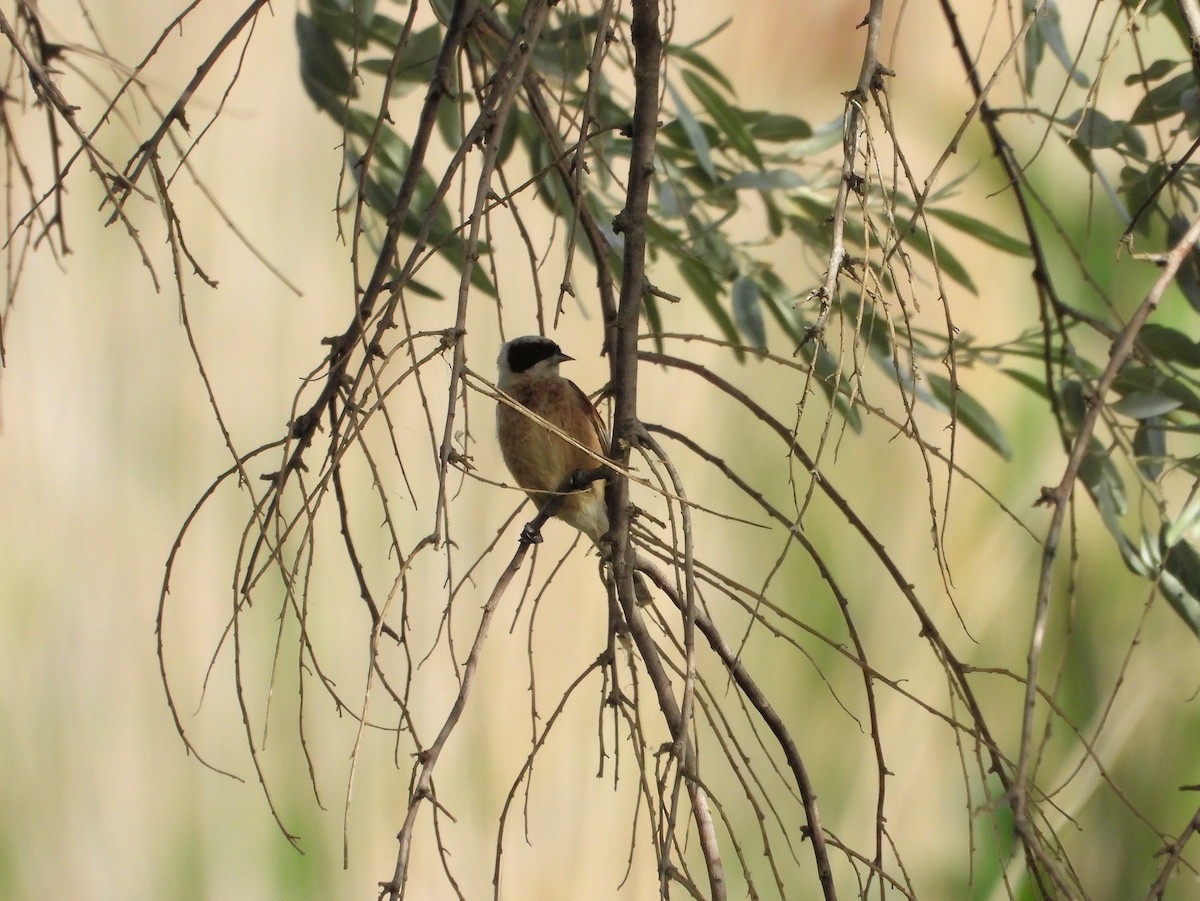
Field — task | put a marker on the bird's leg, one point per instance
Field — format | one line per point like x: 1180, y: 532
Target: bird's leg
x: 581, y: 478
x: 576, y: 481
x: 532, y: 533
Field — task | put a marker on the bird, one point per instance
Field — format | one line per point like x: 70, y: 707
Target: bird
x: 543, y: 464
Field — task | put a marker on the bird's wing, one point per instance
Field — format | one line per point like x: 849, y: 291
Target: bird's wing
x: 594, y: 416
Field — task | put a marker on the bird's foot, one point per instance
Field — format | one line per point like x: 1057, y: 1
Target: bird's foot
x: 532, y: 533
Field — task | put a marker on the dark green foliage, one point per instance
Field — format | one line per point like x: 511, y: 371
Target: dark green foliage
x: 778, y: 176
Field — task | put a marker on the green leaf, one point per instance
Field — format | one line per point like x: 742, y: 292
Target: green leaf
x: 708, y: 289
x: 777, y: 127
x: 1187, y: 277
x: 1145, y: 405
x: 1153, y: 72
x: 1169, y: 345
x: 423, y: 290
x: 1150, y: 447
x: 1164, y: 101
x: 825, y: 135
x: 1138, y: 185
x: 390, y: 149
x: 698, y: 61
x: 727, y: 119
x: 323, y: 72
x: 1033, y: 383
x: 417, y: 60
x: 747, y: 312
x: 1049, y: 27
x: 566, y: 49
x: 765, y: 180
x: 340, y: 22
x: 1101, y: 478
x: 946, y: 261
x: 1187, y: 520
x: 1035, y: 45
x: 1132, y: 138
x: 673, y: 202
x: 454, y: 250
x: 1094, y: 129
x: 1180, y: 583
x: 867, y: 324
x: 836, y: 390
x: 779, y: 303
x: 1096, y: 471
x: 653, y: 319
x: 981, y: 231
x: 1147, y: 380
x: 971, y: 413
x: 693, y: 131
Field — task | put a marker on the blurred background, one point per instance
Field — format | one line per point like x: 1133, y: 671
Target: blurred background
x: 108, y: 440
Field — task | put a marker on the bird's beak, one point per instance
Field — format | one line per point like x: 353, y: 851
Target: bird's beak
x: 560, y: 357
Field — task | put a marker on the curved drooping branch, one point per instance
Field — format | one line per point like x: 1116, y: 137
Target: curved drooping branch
x: 631, y: 222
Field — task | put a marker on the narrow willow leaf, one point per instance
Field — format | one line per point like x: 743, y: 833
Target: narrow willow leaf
x: 836, y: 390
x: 1170, y: 345
x: 1138, y: 185
x: 1187, y: 520
x: 727, y: 119
x: 780, y: 306
x: 323, y: 71
x: 1162, y: 102
x: 1180, y: 583
x: 1049, y: 23
x: 1188, y: 275
x: 1153, y: 72
x: 1033, y: 383
x: 698, y: 61
x: 1148, y: 380
x: 420, y: 54
x: 765, y: 180
x: 982, y: 231
x: 344, y: 25
x: 867, y: 325
x: 946, y: 261
x: 1035, y: 45
x: 1145, y: 405
x: 695, y: 134
x: 747, y: 312
x: 673, y: 202
x: 1150, y: 447
x: 1094, y: 129
x: 971, y: 413
x: 777, y: 127
x: 1101, y: 478
x: 707, y: 289
x: 824, y: 136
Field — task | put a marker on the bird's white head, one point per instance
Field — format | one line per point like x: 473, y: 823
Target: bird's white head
x: 529, y: 355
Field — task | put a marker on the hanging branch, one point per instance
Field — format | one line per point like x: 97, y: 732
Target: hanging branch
x: 852, y: 129
x: 631, y: 222
x: 1059, y: 496
x: 422, y: 789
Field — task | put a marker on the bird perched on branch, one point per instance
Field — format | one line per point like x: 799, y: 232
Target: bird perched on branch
x: 561, y: 479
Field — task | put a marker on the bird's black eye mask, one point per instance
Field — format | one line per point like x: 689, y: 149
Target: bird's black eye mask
x: 526, y: 354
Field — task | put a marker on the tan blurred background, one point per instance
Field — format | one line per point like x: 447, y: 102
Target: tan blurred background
x: 107, y: 441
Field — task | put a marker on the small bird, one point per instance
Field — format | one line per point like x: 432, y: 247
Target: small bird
x: 542, y: 462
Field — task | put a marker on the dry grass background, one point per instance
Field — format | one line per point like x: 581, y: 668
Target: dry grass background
x: 107, y: 441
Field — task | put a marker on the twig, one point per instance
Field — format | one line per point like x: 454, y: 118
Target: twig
x: 632, y: 221
x: 1059, y: 496
x: 758, y: 700
x: 1174, y: 852
x: 850, y: 181
x: 423, y: 784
